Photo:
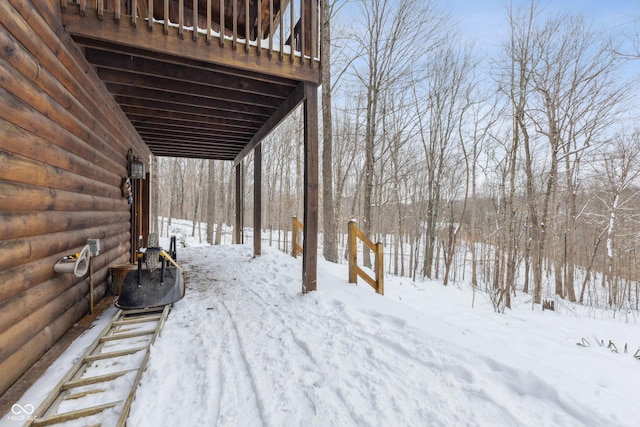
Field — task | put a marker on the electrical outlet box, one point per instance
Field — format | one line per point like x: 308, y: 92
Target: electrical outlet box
x: 94, y: 246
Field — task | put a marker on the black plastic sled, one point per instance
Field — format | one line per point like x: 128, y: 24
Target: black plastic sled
x: 156, y: 282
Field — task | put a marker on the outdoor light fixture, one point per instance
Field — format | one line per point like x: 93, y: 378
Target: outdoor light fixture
x: 136, y: 167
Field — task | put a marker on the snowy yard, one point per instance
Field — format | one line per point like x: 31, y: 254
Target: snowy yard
x: 246, y: 348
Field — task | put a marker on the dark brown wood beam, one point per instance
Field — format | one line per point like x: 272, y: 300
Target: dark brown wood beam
x: 167, y: 101
x: 294, y: 99
x: 186, y: 89
x: 163, y: 146
x: 257, y: 200
x: 188, y: 155
x: 166, y: 133
x: 204, y: 124
x: 196, y: 129
x: 180, y: 72
x: 156, y: 109
x: 237, y: 231
x: 105, y: 46
x: 310, y: 243
x: 220, y: 146
x: 192, y: 126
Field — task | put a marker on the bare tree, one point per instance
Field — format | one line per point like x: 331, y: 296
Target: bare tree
x: 330, y: 243
x: 391, y: 31
x: 621, y: 167
x: 440, y: 107
x: 577, y: 86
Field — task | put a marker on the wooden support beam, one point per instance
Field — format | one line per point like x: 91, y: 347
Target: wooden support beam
x: 157, y: 104
x: 238, y: 233
x: 293, y: 100
x: 310, y: 243
x: 132, y: 60
x: 257, y: 200
x: 188, y: 89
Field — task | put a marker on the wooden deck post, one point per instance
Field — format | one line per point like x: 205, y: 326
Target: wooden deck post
x: 296, y: 228
x: 310, y: 242
x: 257, y: 200
x: 238, y: 234
x: 379, y: 267
x: 352, y: 251
x: 294, y: 237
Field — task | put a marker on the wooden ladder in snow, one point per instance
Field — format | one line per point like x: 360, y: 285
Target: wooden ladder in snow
x: 88, y: 388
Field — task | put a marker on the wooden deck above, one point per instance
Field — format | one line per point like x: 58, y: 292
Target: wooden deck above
x: 206, y: 93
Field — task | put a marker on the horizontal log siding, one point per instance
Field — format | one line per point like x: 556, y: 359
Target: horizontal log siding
x: 63, y: 147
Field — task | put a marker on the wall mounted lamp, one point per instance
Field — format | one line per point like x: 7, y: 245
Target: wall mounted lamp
x: 136, y: 167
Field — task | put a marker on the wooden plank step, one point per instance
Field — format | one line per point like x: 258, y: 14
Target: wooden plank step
x: 123, y: 336
x: 73, y: 415
x: 120, y: 353
x: 142, y: 311
x: 137, y: 319
x: 95, y: 380
x: 83, y: 394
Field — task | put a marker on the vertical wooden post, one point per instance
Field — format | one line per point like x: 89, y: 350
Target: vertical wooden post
x: 247, y: 30
x: 150, y: 15
x: 238, y: 232
x: 352, y: 251
x: 116, y: 16
x: 271, y: 29
x: 310, y: 243
x: 234, y: 24
x: 259, y: 29
x: 257, y: 200
x: 379, y: 266
x: 281, y: 26
x: 194, y: 9
x: 145, y: 209
x: 137, y: 213
x: 181, y: 19
x: 292, y: 24
x: 222, y: 24
x: 294, y: 237
x: 165, y: 25
x: 303, y: 29
x: 134, y: 12
x: 313, y: 25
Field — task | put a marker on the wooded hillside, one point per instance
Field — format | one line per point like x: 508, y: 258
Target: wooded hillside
x: 517, y: 172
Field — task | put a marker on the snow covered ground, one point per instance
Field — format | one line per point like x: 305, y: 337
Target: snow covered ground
x: 246, y: 348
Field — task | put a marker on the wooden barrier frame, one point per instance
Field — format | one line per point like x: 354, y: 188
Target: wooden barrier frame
x: 378, y: 250
x: 296, y: 227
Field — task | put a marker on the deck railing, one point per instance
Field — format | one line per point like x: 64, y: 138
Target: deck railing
x: 289, y: 29
x: 296, y: 229
x: 378, y: 267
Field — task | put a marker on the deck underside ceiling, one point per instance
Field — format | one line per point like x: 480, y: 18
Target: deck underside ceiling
x: 187, y: 108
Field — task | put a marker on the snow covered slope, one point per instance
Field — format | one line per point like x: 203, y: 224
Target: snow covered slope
x: 246, y: 348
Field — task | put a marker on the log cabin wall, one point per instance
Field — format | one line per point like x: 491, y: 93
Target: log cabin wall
x: 63, y: 154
